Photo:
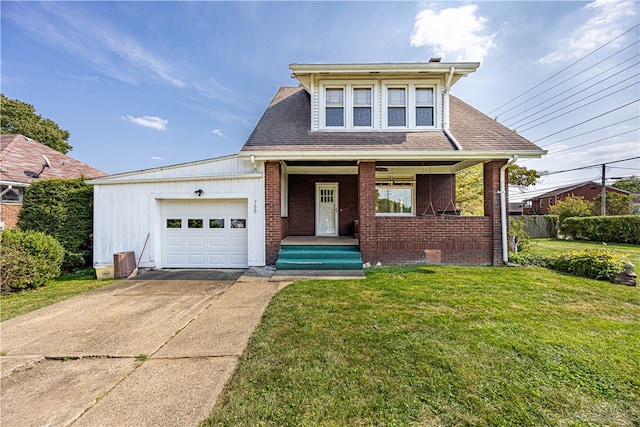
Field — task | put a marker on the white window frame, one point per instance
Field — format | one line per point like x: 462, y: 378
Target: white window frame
x: 404, y: 185
x: 348, y: 106
x: 411, y: 103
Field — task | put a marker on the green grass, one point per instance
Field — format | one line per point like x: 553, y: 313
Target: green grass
x: 556, y: 246
x: 67, y: 286
x: 441, y: 346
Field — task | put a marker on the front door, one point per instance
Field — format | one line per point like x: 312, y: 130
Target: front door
x: 327, y: 209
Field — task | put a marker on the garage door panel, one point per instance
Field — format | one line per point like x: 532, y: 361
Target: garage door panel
x: 204, y: 234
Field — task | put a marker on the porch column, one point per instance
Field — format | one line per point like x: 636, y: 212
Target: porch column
x: 367, y: 208
x: 492, y: 206
x: 273, y: 214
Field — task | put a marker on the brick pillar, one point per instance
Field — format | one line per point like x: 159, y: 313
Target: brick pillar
x: 273, y: 215
x: 367, y: 208
x: 492, y: 206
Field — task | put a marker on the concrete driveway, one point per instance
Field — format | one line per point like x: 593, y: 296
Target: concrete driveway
x: 156, y: 350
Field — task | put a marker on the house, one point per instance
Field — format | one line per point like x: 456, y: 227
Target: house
x: 588, y: 190
x: 359, y: 153
x: 22, y: 161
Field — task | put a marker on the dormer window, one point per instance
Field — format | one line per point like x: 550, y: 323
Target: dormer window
x: 424, y: 106
x: 334, y: 112
x: 362, y: 107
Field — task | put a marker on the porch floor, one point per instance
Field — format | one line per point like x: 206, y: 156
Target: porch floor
x: 319, y: 241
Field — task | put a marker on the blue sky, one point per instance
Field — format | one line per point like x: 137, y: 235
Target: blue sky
x: 148, y: 84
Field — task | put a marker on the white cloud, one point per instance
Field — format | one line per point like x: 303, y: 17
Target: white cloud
x: 156, y: 158
x: 217, y: 132
x: 455, y: 34
x: 608, y: 18
x: 152, y: 122
x: 606, y: 153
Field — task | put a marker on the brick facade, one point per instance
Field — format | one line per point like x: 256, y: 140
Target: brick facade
x: 9, y: 214
x: 425, y: 237
x: 273, y: 215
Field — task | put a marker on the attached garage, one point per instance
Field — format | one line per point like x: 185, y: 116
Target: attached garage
x: 204, y: 234
x: 206, y: 214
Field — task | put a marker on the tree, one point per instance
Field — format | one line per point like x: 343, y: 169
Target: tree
x: 521, y: 177
x: 572, y: 206
x: 631, y: 184
x: 19, y: 117
x: 616, y: 203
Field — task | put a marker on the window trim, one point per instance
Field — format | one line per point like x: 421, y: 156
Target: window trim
x: 405, y: 184
x: 410, y: 104
x: 348, y: 104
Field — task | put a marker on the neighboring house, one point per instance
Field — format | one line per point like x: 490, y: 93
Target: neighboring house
x: 22, y: 161
x: 364, y: 150
x: 588, y: 190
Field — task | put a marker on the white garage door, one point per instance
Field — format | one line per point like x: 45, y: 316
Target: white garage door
x: 204, y: 234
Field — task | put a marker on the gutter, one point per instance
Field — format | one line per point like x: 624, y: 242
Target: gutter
x: 445, y: 125
x: 503, y: 209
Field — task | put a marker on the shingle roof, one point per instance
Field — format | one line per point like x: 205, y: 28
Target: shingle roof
x: 286, y: 126
x: 21, y: 158
x: 569, y: 188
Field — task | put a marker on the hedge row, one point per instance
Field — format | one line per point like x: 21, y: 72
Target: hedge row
x: 613, y: 229
x: 28, y: 259
x: 601, y: 264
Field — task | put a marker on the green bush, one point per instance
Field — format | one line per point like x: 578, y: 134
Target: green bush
x: 600, y: 264
x: 62, y: 208
x: 614, y: 229
x: 28, y: 259
x: 528, y: 258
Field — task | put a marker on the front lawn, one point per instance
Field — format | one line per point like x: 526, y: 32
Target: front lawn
x: 66, y: 286
x: 435, y: 346
x: 550, y: 247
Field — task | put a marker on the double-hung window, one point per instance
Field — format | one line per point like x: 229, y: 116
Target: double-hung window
x: 397, y: 107
x: 362, y: 107
x: 424, y: 106
x: 334, y: 111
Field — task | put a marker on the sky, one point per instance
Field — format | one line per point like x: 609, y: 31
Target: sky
x: 148, y: 84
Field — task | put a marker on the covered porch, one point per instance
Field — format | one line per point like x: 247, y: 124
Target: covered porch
x: 397, y: 212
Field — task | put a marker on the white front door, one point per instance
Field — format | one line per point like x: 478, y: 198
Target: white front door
x: 327, y: 209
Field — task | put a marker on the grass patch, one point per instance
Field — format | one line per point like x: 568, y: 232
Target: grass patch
x: 550, y: 247
x: 442, y: 346
x: 66, y: 286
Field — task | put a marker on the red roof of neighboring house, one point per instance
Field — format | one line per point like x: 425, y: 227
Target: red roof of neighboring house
x: 575, y: 187
x: 21, y: 158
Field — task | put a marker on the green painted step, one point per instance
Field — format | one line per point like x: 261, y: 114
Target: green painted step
x: 319, y: 257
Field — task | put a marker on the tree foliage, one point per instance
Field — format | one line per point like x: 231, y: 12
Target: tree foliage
x: 616, y: 204
x: 572, y: 206
x: 631, y: 184
x: 521, y: 177
x: 62, y: 208
x: 17, y: 117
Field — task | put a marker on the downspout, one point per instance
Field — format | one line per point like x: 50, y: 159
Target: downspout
x: 445, y: 125
x: 503, y: 209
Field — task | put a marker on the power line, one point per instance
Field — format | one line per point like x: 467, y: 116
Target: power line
x: 588, y: 120
x: 591, y: 131
x: 574, y: 87
x: 564, y: 69
x: 570, y: 96
x: 592, y: 166
x: 592, y: 142
x: 548, y: 119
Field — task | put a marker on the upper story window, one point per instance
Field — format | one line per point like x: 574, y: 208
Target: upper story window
x: 380, y: 105
x: 362, y: 107
x: 334, y: 102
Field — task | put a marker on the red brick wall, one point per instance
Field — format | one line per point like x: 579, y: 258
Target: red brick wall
x: 302, y: 203
x: 273, y: 216
x: 492, y: 205
x: 403, y: 240
x: 9, y: 214
x: 588, y: 192
x: 437, y: 190
x: 367, y: 208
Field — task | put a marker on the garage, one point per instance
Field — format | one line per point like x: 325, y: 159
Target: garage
x: 203, y: 214
x: 204, y: 234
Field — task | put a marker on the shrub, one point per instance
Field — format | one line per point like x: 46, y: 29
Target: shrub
x: 616, y: 204
x: 528, y: 258
x: 614, y: 229
x: 62, y: 208
x: 572, y: 206
x: 28, y: 259
x: 600, y: 264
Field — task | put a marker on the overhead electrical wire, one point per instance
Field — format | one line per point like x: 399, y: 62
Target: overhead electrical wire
x: 504, y: 121
x: 592, y: 142
x: 564, y: 69
x: 590, y: 131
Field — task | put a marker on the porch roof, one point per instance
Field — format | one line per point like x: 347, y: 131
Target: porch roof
x: 284, y: 132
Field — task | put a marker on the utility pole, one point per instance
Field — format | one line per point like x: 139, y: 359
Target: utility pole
x: 603, y: 192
